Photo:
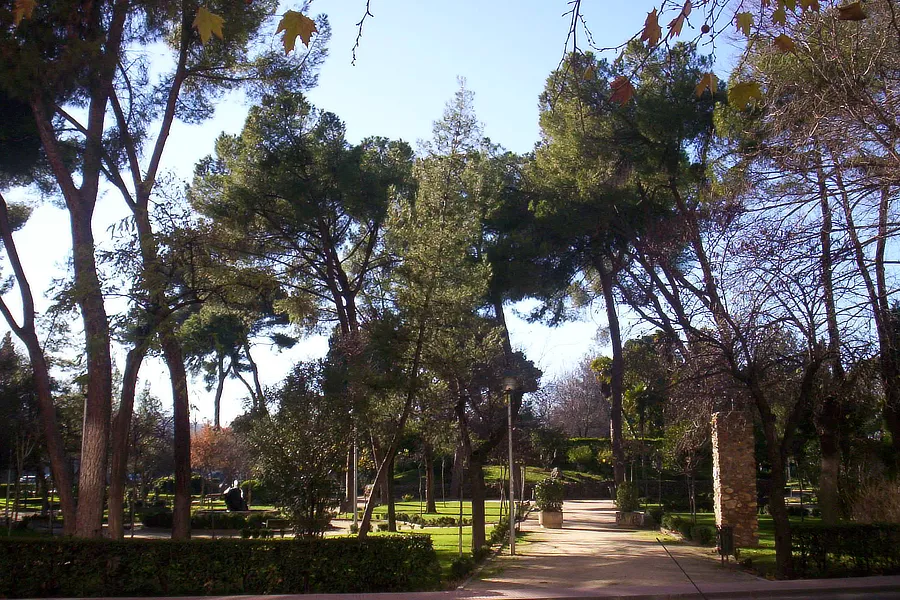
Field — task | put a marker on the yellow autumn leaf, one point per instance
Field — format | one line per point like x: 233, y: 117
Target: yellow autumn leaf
x: 784, y: 43
x: 622, y: 91
x: 744, y: 94
x: 589, y: 73
x: 707, y: 82
x: 790, y: 5
x: 779, y: 17
x: 23, y: 10
x: 744, y: 21
x: 652, y: 31
x: 295, y: 24
x: 851, y: 12
x: 208, y: 24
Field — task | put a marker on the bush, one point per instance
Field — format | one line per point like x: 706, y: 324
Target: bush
x: 461, y: 567
x: 582, y: 457
x: 877, y: 502
x: 157, y: 518
x: 656, y: 514
x: 549, y: 494
x: 848, y: 549
x: 703, y: 534
x: 672, y: 522
x: 627, y: 497
x: 34, y: 568
x: 797, y: 511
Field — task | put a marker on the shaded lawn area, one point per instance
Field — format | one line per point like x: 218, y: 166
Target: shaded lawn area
x: 763, y: 557
x: 446, y: 543
x: 449, y: 508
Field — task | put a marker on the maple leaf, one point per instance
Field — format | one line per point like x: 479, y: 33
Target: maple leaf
x: 23, y: 10
x: 652, y: 31
x: 851, y: 12
x: 779, y: 17
x: 208, y: 24
x: 744, y: 94
x: 744, y: 21
x: 295, y: 24
x: 676, y: 25
x: 622, y: 91
x: 784, y: 43
x: 707, y: 82
x: 589, y: 72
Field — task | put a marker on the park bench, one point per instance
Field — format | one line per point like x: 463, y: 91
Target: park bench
x: 279, y: 525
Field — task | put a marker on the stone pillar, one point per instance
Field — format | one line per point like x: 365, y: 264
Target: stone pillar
x: 734, y: 476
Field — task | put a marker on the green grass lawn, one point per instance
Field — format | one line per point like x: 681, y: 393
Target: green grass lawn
x: 446, y: 543
x: 763, y: 557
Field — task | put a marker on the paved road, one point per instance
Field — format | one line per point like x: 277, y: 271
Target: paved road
x: 590, y: 552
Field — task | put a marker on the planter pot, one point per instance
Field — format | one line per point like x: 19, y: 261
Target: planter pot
x: 551, y: 519
x: 629, y: 519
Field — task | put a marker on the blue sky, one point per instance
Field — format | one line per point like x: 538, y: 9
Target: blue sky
x: 410, y: 56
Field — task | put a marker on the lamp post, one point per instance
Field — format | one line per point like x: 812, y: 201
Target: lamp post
x: 510, y: 384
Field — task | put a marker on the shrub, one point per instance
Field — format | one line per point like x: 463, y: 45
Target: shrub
x: 157, y: 518
x: 461, y: 567
x: 408, y: 497
x: 656, y: 514
x: 703, y: 534
x: 582, y: 457
x: 848, y: 549
x: 34, y: 568
x: 877, y: 502
x: 627, y: 497
x: 672, y: 522
x: 549, y: 494
x: 797, y: 511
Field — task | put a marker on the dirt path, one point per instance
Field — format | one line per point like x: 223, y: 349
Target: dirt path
x: 591, y: 552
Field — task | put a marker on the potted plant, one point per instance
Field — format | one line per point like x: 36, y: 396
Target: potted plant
x: 548, y: 496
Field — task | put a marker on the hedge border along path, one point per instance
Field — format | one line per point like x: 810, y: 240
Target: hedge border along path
x: 80, y: 568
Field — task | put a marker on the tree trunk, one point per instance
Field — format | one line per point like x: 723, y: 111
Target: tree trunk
x: 476, y: 483
x: 98, y: 402
x: 617, y: 373
x: 391, y: 505
x: 59, y: 465
x: 221, y: 374
x: 181, y: 519
x: 120, y: 438
x: 456, y: 471
x: 777, y: 506
x: 430, y: 504
x: 830, y: 461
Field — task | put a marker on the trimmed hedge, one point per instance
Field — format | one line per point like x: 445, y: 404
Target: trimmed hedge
x: 79, y: 568
x: 848, y: 549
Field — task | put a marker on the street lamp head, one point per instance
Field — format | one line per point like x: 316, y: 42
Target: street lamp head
x: 510, y: 383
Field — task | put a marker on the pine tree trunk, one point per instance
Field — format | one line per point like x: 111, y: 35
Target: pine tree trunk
x: 181, y: 519
x: 120, y: 438
x: 430, y: 504
x: 98, y: 403
x: 617, y: 373
x: 476, y: 483
x: 391, y: 505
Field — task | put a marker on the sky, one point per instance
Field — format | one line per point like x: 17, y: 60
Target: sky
x: 410, y: 57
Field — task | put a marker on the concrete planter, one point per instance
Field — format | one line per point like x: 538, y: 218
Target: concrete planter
x: 629, y: 519
x: 551, y: 519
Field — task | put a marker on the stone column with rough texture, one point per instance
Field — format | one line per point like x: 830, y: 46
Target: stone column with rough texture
x: 734, y: 476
